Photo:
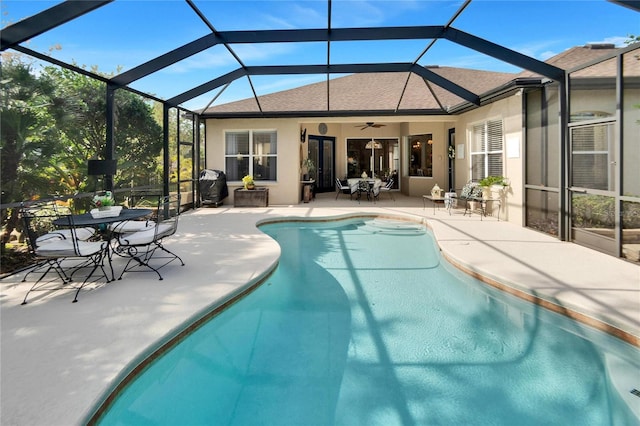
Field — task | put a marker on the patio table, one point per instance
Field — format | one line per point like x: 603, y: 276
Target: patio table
x: 86, y: 219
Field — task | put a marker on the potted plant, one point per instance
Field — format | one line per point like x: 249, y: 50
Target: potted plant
x: 104, y: 201
x: 248, y: 182
x: 308, y: 168
x: 492, y: 181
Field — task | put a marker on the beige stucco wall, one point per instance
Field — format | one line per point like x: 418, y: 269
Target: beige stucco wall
x: 286, y: 190
x: 509, y: 110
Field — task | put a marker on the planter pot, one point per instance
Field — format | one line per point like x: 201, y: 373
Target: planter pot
x: 486, y: 192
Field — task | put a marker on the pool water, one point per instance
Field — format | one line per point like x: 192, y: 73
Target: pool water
x: 363, y: 323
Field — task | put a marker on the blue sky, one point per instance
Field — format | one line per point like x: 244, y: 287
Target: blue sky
x: 126, y: 33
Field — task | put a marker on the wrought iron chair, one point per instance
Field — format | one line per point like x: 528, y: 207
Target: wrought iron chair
x: 137, y: 199
x: 64, y: 252
x: 387, y: 188
x: 341, y: 188
x: 144, y: 248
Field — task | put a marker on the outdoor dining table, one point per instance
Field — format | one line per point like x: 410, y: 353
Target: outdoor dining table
x: 369, y: 183
x: 86, y: 219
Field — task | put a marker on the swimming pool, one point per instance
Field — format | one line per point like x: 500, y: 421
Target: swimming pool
x: 364, y: 323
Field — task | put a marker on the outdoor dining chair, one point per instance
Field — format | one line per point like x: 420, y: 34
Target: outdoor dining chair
x: 144, y: 248
x: 341, y: 188
x: 60, y: 252
x: 387, y: 188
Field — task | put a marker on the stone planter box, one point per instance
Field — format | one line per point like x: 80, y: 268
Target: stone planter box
x: 258, y: 197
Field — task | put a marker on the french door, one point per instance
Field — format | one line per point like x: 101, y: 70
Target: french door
x: 322, y: 153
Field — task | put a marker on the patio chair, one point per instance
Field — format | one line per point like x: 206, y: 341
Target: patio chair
x: 145, y: 248
x: 137, y: 199
x: 64, y: 252
x: 341, y: 188
x: 471, y: 192
x: 387, y: 188
x: 375, y: 189
x: 364, y: 187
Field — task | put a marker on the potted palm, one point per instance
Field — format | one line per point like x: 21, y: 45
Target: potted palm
x: 308, y: 168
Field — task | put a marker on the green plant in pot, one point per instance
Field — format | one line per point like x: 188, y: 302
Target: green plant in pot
x: 248, y: 182
x: 308, y: 165
x: 493, y: 180
x: 489, y: 181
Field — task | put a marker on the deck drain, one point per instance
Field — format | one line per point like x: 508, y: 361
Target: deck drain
x: 636, y: 392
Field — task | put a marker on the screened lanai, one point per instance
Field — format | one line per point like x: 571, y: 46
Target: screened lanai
x: 163, y: 72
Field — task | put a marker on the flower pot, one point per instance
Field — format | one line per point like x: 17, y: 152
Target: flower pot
x: 486, y: 192
x: 250, y: 186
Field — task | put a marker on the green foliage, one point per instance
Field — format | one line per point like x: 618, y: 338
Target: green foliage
x: 593, y: 211
x: 493, y: 180
x: 54, y: 120
x: 308, y: 164
x: 631, y: 39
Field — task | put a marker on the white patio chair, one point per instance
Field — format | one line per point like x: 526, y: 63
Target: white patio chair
x: 64, y: 252
x: 341, y: 188
x: 387, y: 188
x: 144, y: 248
x: 137, y: 199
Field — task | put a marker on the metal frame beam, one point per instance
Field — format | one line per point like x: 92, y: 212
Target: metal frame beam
x: 273, y: 36
x: 631, y: 4
x: 46, y: 20
x: 329, y: 69
x: 502, y: 53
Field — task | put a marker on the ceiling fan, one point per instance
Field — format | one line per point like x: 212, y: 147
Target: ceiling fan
x: 370, y: 124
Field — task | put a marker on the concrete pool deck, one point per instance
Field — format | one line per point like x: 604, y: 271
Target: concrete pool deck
x: 57, y: 359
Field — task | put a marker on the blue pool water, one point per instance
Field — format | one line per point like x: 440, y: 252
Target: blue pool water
x: 363, y: 323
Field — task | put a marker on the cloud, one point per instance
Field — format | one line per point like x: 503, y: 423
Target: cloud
x: 618, y: 41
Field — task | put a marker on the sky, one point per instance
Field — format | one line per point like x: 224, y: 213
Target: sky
x: 127, y: 33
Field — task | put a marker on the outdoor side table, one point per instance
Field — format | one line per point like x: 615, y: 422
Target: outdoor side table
x: 435, y: 200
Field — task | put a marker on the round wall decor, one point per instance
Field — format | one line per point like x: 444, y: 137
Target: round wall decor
x: 322, y: 128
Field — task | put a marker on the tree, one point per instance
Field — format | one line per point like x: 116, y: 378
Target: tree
x: 54, y: 120
x: 27, y: 134
x: 631, y: 39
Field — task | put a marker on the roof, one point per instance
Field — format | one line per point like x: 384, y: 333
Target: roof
x: 372, y: 92
x: 379, y: 93
x: 581, y: 55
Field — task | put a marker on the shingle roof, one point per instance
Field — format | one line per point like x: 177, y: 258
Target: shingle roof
x: 383, y: 91
x: 371, y: 92
x: 576, y: 56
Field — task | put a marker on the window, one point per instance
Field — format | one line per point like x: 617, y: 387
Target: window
x: 251, y: 152
x: 420, y: 150
x: 592, y: 156
x: 485, y: 149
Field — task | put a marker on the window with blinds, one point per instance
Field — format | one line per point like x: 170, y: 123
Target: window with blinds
x: 251, y: 152
x: 590, y: 156
x: 485, y: 149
